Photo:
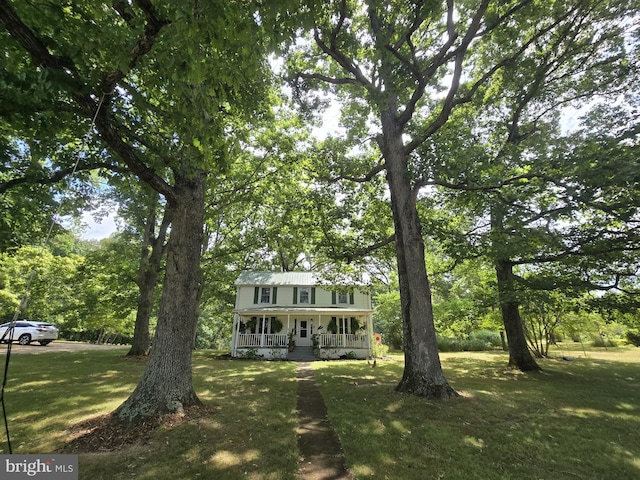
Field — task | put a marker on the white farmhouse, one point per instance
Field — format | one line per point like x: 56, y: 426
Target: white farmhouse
x: 289, y: 314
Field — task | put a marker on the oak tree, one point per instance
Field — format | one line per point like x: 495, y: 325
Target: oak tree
x: 160, y: 83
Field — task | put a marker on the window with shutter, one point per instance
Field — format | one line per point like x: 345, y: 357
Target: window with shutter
x: 265, y: 295
x: 304, y: 295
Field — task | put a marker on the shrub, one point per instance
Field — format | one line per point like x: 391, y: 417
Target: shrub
x: 601, y: 341
x: 446, y: 344
x: 470, y: 344
x: 633, y: 338
x: 488, y: 336
x: 250, y: 354
x: 380, y: 351
x: 475, y: 345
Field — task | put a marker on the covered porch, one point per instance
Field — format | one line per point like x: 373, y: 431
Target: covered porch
x: 331, y: 332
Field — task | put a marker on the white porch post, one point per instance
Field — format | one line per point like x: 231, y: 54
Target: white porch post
x: 369, y: 320
x: 233, y: 335
x: 236, y: 332
x: 344, y: 331
x: 263, y: 329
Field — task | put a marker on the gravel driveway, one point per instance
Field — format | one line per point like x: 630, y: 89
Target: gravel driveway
x: 58, y: 346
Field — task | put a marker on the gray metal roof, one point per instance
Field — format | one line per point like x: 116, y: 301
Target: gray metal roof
x: 272, y: 310
x: 277, y: 278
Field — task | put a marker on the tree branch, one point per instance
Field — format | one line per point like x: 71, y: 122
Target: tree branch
x: 143, y: 45
x: 28, y: 40
x: 451, y: 101
x: 362, y: 252
x: 36, y: 48
x: 58, y: 175
x: 372, y: 173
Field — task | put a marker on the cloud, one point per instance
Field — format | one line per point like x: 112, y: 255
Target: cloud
x: 97, y: 229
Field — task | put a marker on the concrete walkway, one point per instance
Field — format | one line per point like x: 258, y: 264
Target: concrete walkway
x: 321, y: 456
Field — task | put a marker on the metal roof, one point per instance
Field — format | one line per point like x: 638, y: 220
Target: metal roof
x: 293, y: 310
x: 277, y: 278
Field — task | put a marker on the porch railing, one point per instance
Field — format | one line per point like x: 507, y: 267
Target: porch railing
x: 246, y: 340
x: 326, y: 340
x: 344, y: 340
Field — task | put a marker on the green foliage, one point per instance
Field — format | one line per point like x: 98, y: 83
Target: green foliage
x: 214, y: 328
x: 470, y: 344
x: 478, y: 341
x: 379, y: 351
x: 633, y: 338
x: 446, y: 344
x: 90, y: 297
x: 602, y: 341
x: 332, y: 327
x: 48, y: 281
x: 463, y: 298
x: 487, y: 336
x: 249, y: 354
x: 388, y: 318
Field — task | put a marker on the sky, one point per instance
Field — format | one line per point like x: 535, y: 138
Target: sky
x: 98, y: 229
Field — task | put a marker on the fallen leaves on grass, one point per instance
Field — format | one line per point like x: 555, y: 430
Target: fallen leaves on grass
x: 104, y: 434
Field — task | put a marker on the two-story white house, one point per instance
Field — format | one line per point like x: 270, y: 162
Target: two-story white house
x: 278, y: 312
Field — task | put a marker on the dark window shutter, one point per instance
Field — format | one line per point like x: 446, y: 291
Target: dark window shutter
x: 333, y: 297
x: 313, y: 295
x: 352, y: 298
x: 256, y: 294
x: 275, y: 295
x: 295, y: 295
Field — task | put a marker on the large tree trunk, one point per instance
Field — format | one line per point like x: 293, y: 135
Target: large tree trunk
x: 423, y: 374
x: 519, y: 355
x: 151, y: 254
x: 166, y: 384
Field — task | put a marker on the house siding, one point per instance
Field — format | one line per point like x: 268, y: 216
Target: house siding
x: 249, y: 297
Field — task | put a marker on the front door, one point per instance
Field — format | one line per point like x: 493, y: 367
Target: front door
x: 304, y: 334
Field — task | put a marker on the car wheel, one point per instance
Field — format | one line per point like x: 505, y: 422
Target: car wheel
x: 45, y: 342
x: 24, y: 339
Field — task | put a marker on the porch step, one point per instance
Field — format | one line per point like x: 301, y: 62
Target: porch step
x: 302, y: 354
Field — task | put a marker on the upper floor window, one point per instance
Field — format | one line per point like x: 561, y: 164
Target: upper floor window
x: 342, y: 297
x: 265, y: 295
x: 305, y: 296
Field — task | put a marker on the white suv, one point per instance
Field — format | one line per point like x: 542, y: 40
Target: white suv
x: 27, y: 331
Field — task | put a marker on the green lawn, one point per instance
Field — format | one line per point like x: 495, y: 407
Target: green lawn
x: 578, y: 419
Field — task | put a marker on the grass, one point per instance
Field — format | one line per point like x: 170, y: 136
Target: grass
x: 578, y: 419
x: 249, y: 436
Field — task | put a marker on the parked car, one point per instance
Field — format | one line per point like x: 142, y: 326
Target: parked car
x: 27, y: 331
